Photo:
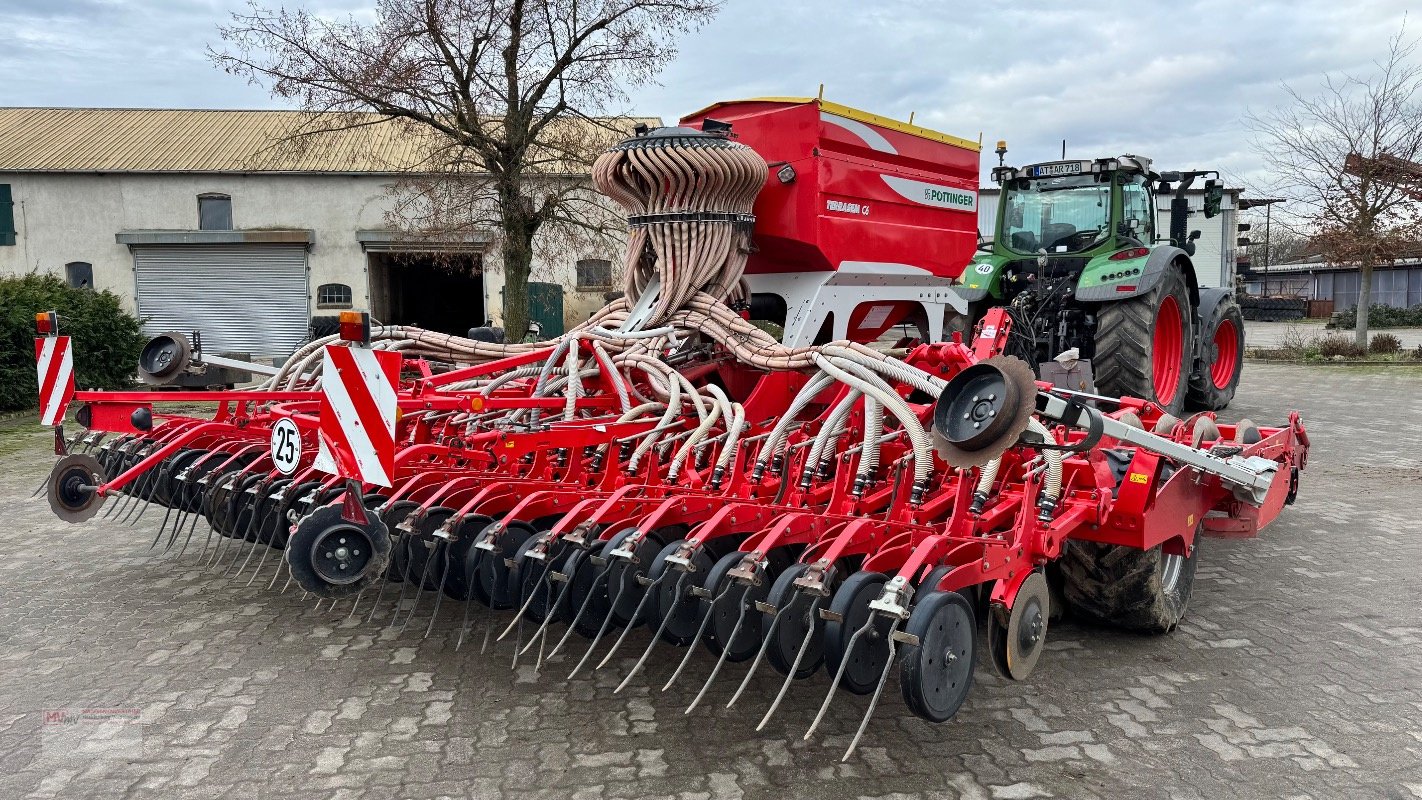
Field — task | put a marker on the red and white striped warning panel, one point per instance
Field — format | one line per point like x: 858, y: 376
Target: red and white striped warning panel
x: 358, y: 413
x: 55, y: 364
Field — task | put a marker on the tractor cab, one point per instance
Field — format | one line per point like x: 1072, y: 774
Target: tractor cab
x: 1075, y: 209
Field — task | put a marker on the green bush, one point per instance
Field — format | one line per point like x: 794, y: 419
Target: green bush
x: 1382, y: 317
x: 106, y: 339
x: 1384, y: 344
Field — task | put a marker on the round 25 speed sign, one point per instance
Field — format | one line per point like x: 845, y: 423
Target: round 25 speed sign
x: 286, y: 446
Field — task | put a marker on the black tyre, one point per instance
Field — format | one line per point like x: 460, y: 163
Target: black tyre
x: 1222, y: 359
x: 937, y: 673
x: 331, y: 557
x: 1146, y: 591
x: 863, y: 658
x: 1143, y: 345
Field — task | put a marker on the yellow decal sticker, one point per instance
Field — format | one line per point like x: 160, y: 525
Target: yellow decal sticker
x: 1138, y: 477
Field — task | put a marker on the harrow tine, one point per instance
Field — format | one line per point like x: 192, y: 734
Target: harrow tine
x: 250, y: 552
x: 547, y: 620
x: 468, y: 579
x: 522, y: 610
x: 794, y: 667
x: 878, y: 691
x: 606, y: 621
x: 419, y: 590
x: 666, y: 620
x: 839, y: 673
x: 700, y: 632
x: 260, y: 564
x: 725, y: 651
x: 162, y: 526
x: 514, y: 663
x: 177, y: 529
x: 635, y: 615
x: 354, y: 603
x: 36, y: 493
x: 191, y: 527
x: 277, y: 574
x: 759, y: 656
x: 439, y: 592
x: 405, y: 583
x: 587, y: 601
x: 288, y: 580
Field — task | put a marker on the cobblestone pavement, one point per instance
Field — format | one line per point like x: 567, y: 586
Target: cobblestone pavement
x: 1297, y: 674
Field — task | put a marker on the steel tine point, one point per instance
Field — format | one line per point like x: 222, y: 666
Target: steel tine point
x: 262, y: 563
x: 439, y: 590
x: 249, y: 536
x: 186, y: 539
x: 522, y: 610
x: 419, y: 590
x: 405, y: 579
x: 386, y: 582
x: 735, y: 629
x: 548, y: 620
x: 288, y: 578
x: 162, y: 526
x: 700, y: 632
x: 839, y: 673
x: 587, y: 601
x: 488, y: 629
x: 277, y: 573
x: 601, y: 631
x: 542, y: 646
x: 354, y: 604
x: 878, y: 690
x: 759, y: 656
x: 36, y: 493
x: 666, y: 620
x: 637, y: 614
x: 794, y: 667
x: 177, y: 529
x: 514, y: 663
x: 468, y: 582
x: 115, y: 506
x: 250, y: 552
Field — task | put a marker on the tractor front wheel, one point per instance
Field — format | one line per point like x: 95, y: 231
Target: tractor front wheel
x: 1143, y: 345
x: 1223, y: 332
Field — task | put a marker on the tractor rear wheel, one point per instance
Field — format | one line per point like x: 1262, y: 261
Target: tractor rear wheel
x: 1143, y: 346
x: 1145, y: 591
x: 1214, y: 387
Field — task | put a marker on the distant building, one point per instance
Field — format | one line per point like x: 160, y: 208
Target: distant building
x: 1397, y: 283
x: 199, y: 221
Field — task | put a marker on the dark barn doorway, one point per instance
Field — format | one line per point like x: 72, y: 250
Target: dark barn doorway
x: 437, y: 291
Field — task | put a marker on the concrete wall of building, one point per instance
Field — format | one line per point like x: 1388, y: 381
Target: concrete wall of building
x: 61, y: 218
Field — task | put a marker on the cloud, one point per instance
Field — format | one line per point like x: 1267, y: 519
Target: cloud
x: 1173, y: 80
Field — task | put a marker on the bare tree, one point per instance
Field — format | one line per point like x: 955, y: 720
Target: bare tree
x: 1337, y: 158
x: 506, y: 101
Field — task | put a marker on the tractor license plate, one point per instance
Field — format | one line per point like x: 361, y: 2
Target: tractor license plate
x: 1056, y: 170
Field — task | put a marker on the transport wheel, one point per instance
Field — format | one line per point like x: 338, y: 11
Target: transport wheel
x: 1145, y: 591
x: 460, y: 580
x: 1143, y: 345
x: 1016, y: 644
x: 685, y: 620
x: 70, y: 484
x: 331, y: 557
x: 864, y: 662
x: 797, y: 622
x: 937, y: 673
x: 425, y: 559
x: 737, y: 605
x: 1214, y: 387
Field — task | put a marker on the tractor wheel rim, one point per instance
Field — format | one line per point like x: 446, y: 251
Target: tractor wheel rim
x: 1171, y: 565
x: 1168, y: 344
x: 1226, y: 354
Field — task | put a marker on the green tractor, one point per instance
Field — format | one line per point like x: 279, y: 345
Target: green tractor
x: 1077, y: 262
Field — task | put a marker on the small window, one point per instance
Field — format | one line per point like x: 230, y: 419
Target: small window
x: 333, y: 295
x: 214, y: 212
x: 594, y: 274
x: 79, y: 274
x: 7, y: 216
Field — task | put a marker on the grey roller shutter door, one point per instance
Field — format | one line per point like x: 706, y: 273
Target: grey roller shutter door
x: 244, y: 298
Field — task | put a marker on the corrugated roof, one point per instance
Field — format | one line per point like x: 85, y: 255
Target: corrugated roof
x: 190, y: 140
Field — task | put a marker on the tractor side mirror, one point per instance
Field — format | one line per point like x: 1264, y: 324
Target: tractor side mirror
x: 1194, y: 235
x: 1214, y: 198
x: 1133, y: 224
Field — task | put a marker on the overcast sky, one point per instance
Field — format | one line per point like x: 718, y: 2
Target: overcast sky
x: 1170, y: 80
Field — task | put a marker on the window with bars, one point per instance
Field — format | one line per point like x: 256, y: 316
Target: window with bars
x: 333, y: 295
x: 594, y: 274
